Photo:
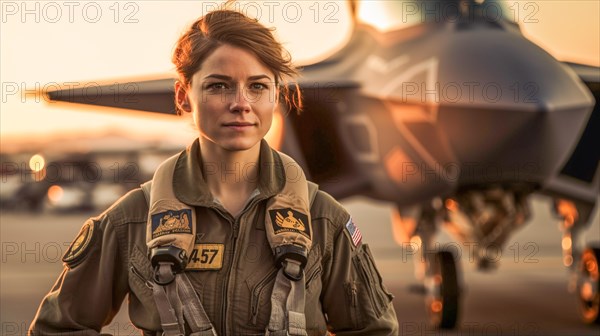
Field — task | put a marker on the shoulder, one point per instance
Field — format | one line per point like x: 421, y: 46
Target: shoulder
x: 108, y: 232
x: 327, y: 207
x: 339, y: 224
x: 130, y: 208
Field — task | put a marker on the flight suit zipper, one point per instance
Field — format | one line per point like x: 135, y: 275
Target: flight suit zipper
x: 236, y: 228
x: 228, y: 275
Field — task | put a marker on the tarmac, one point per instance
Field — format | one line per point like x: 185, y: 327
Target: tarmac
x: 527, y: 295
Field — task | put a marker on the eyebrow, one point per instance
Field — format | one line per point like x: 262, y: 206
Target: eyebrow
x: 227, y: 78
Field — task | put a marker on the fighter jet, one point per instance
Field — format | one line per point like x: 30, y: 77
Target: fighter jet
x: 457, y: 119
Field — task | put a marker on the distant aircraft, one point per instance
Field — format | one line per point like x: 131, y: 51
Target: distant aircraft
x: 458, y: 120
x: 73, y: 177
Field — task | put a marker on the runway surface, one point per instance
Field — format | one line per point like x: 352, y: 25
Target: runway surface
x: 527, y: 295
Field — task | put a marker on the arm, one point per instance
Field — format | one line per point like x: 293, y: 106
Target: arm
x: 91, y: 288
x: 354, y: 298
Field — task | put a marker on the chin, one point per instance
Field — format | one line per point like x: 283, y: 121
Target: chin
x: 239, y: 144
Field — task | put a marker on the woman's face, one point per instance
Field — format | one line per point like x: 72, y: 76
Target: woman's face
x: 232, y: 97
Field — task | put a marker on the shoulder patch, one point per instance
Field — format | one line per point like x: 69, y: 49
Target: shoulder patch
x: 354, y: 232
x: 80, y: 246
x: 289, y: 220
x: 171, y: 221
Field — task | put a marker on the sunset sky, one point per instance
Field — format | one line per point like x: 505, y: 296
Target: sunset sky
x: 108, y: 41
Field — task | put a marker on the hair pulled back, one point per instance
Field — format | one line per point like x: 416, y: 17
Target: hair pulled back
x: 226, y: 26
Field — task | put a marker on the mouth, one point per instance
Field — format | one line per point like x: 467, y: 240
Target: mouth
x: 239, y: 125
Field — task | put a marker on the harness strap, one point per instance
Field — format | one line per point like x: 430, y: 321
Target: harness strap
x: 170, y: 307
x: 288, y: 228
x: 170, y: 222
x: 287, y: 303
x: 289, y: 234
x: 288, y: 296
x: 168, y: 300
x: 193, y: 310
x: 175, y: 301
x: 168, y: 318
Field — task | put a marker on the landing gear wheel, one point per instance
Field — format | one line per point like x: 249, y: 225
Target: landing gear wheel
x: 588, y: 286
x: 443, y: 291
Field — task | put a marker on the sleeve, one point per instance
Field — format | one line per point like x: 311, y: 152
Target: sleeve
x: 354, y: 298
x: 91, y: 287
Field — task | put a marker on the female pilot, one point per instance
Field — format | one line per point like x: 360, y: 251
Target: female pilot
x: 227, y: 239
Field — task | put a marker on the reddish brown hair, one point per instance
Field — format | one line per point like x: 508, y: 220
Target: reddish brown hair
x: 234, y: 28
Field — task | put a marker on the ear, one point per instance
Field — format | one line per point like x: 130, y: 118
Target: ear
x: 182, y: 97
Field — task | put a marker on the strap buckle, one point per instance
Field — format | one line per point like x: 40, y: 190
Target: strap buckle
x: 293, y: 270
x: 293, y: 259
x: 167, y: 261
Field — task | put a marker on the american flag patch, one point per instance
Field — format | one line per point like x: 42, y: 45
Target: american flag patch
x: 354, y: 232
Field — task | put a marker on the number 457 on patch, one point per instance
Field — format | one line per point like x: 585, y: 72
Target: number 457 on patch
x: 206, y: 257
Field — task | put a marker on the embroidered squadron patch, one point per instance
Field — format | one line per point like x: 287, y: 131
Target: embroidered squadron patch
x: 354, y: 232
x: 171, y: 221
x: 80, y: 247
x: 206, y: 257
x: 289, y: 220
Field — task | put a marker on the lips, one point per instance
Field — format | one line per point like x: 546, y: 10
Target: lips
x: 239, y: 124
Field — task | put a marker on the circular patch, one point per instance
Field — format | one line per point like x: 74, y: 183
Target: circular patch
x: 80, y: 246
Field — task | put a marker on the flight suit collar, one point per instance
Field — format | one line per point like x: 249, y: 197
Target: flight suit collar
x: 190, y: 186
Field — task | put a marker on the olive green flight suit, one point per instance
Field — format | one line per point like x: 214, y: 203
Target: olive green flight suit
x: 344, y: 290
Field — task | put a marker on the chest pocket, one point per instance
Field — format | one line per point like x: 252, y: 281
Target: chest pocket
x: 140, y: 273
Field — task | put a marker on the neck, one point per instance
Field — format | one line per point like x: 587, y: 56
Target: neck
x: 227, y: 172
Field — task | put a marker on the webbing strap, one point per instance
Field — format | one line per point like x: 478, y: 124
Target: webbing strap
x: 169, y: 211
x: 193, y: 310
x: 169, y: 304
x: 175, y: 301
x: 168, y: 315
x: 287, y: 299
x: 287, y: 303
x: 171, y: 309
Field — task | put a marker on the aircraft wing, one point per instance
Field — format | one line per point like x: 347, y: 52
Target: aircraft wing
x: 158, y: 95
x: 590, y: 75
x: 150, y: 95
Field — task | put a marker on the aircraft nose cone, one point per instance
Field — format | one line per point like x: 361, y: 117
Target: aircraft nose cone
x: 506, y: 103
x: 502, y: 68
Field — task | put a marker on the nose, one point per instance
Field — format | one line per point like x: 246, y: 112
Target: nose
x: 240, y: 102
